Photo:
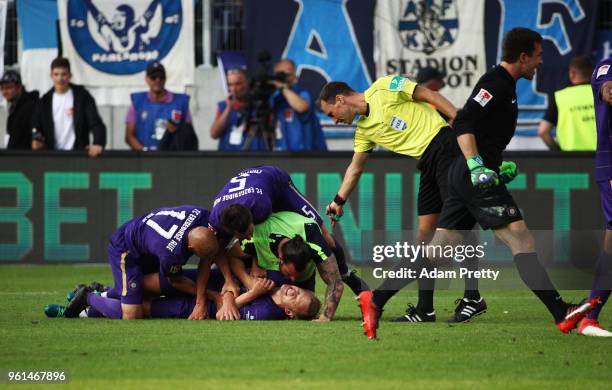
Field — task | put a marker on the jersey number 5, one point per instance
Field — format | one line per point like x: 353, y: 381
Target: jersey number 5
x: 240, y: 180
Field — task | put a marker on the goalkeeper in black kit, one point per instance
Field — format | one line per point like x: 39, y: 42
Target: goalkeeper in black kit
x: 477, y: 191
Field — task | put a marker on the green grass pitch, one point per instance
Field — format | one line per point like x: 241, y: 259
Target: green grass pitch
x: 514, y: 345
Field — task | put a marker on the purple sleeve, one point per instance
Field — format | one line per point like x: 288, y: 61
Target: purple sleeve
x: 188, y: 117
x: 277, y: 277
x: 130, y: 118
x: 601, y: 75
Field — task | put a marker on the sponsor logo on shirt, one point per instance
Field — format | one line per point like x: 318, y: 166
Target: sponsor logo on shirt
x: 176, y: 116
x: 397, y: 83
x: 603, y: 70
x: 398, y: 124
x: 483, y: 97
x: 288, y: 115
x: 175, y: 269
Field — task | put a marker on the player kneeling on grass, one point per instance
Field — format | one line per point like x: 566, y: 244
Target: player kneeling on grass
x: 266, y: 300
x: 294, y: 245
x: 165, y: 238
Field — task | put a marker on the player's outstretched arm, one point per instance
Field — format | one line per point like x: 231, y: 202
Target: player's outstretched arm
x: 351, y: 178
x: 422, y: 94
x: 199, y: 310
x: 223, y: 262
x: 328, y: 270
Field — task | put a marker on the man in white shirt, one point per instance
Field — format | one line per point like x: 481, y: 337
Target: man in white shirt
x: 66, y: 115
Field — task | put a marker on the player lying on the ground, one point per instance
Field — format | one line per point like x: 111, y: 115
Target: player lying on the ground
x: 266, y: 300
x: 294, y: 245
x: 264, y: 190
x: 477, y: 193
x: 164, y: 239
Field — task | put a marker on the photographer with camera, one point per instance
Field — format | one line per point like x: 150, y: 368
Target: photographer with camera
x: 232, y: 124
x: 296, y: 121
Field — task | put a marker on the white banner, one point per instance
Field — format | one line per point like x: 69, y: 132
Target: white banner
x: 110, y: 42
x: 447, y: 35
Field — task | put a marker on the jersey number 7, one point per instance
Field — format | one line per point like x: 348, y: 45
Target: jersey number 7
x: 167, y: 234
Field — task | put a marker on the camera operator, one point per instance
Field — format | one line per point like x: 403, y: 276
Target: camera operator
x: 231, y: 124
x: 296, y: 121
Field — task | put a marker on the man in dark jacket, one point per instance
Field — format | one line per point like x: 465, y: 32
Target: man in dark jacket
x: 66, y: 115
x: 20, y: 110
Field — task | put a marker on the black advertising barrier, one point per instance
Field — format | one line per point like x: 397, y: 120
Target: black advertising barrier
x: 62, y: 207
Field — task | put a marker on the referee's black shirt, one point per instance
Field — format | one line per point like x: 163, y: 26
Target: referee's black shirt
x: 490, y: 114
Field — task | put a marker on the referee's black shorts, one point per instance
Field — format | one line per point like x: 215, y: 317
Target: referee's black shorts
x: 466, y: 205
x: 434, y: 165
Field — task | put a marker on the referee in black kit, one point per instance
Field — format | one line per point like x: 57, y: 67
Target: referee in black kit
x: 477, y: 190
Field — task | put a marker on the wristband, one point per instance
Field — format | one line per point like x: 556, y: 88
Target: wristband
x: 339, y: 200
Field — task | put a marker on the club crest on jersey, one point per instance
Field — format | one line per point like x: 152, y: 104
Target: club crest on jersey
x: 398, y: 124
x: 483, y: 97
x: 397, y: 83
x: 122, y: 37
x: 428, y: 25
x: 603, y: 70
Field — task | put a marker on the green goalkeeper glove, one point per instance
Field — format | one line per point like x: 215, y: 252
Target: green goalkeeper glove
x: 507, y: 171
x: 481, y: 176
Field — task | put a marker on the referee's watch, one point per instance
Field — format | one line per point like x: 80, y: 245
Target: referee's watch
x: 339, y: 200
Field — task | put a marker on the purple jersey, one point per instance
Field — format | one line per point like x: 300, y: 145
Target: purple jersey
x: 259, y: 189
x: 260, y: 309
x: 162, y: 234
x: 603, y: 160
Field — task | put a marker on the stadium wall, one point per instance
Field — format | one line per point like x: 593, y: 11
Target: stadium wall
x: 63, y: 207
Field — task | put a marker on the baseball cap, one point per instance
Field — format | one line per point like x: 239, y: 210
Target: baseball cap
x: 427, y: 73
x: 156, y: 69
x: 10, y: 76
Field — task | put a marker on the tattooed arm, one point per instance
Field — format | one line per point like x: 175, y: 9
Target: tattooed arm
x: 328, y: 270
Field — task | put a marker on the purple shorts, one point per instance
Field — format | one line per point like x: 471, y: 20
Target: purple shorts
x: 605, y: 192
x: 127, y: 273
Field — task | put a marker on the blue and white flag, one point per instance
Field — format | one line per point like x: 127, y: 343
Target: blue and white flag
x: 37, y: 25
x: 444, y: 34
x: 109, y: 43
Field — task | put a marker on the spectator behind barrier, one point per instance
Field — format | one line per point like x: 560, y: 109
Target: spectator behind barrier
x: 572, y: 110
x: 296, y: 121
x: 231, y: 125
x: 154, y: 113
x: 21, y: 106
x: 66, y: 115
